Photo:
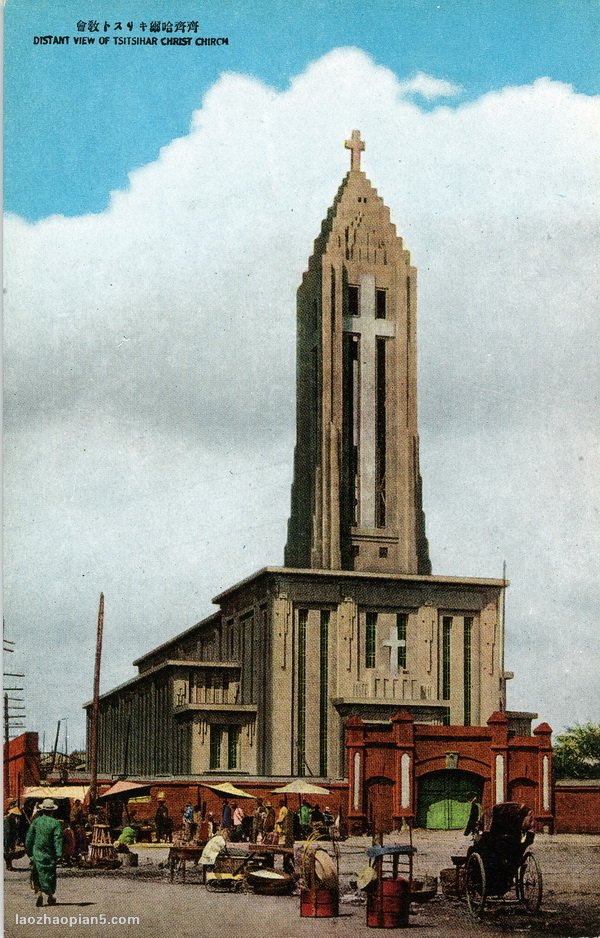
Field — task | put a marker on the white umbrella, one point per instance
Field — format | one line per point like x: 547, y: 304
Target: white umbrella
x: 228, y: 790
x: 300, y: 787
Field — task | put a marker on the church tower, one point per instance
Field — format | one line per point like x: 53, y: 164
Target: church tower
x: 356, y: 494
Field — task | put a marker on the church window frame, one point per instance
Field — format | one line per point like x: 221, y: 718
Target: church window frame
x: 380, y: 432
x: 370, y: 639
x: 353, y: 299
x: 401, y: 630
x: 380, y: 303
x: 233, y: 747
x: 301, y: 717
x: 323, y: 688
x: 446, y: 656
x: 467, y: 667
x: 215, y: 745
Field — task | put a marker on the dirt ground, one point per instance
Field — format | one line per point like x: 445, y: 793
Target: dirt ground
x: 571, y: 904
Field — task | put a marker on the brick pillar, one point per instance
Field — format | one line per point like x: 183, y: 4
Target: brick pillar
x: 403, y: 730
x: 544, y: 803
x: 498, y: 724
x: 355, y: 747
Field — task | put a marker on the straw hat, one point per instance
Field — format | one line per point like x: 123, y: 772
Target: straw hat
x: 366, y: 876
x: 48, y: 805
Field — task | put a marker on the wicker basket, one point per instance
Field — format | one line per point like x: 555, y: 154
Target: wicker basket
x: 453, y: 882
x: 227, y: 864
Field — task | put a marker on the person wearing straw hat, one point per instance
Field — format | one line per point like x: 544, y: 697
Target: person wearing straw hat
x: 44, y: 846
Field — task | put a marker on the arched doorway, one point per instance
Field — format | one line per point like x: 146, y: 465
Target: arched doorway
x: 442, y: 798
x: 380, y: 804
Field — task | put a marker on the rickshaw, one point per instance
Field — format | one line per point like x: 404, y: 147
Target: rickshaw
x: 500, y: 860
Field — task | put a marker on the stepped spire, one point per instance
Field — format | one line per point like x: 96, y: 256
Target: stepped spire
x: 356, y: 495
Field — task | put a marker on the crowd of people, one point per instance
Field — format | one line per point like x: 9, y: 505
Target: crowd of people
x: 74, y: 826
x: 264, y: 824
x: 51, y: 834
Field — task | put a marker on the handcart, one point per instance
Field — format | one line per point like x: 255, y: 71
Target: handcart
x: 500, y: 859
x: 228, y: 873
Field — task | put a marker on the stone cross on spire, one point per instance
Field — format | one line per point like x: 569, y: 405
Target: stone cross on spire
x: 356, y: 145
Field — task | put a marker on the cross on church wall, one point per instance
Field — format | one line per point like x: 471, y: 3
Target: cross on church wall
x: 356, y: 145
x: 369, y: 329
x: 394, y: 644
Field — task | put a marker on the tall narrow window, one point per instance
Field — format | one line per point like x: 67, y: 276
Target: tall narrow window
x: 446, y: 627
x: 401, y: 620
x: 332, y: 297
x: 323, y: 690
x: 380, y: 439
x: 370, y: 639
x: 233, y: 738
x: 354, y: 351
x: 467, y: 641
x: 302, y: 621
x: 216, y: 736
x: 353, y: 301
x: 351, y: 426
x: 380, y: 304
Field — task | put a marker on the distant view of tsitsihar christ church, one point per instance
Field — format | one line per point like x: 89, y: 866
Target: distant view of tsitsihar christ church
x: 352, y: 664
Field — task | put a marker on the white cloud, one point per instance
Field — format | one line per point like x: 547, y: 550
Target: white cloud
x: 150, y: 365
x: 429, y: 87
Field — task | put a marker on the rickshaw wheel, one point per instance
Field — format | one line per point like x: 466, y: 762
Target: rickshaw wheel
x: 529, y: 883
x: 475, y: 884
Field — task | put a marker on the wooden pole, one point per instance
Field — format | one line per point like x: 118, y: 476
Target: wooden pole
x: 95, y: 709
x: 55, y: 747
x: 6, y: 749
x: 502, y: 637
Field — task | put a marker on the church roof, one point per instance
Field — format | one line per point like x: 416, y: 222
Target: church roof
x: 407, y: 578
x: 181, y: 636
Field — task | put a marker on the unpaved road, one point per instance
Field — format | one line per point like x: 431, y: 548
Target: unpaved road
x: 571, y: 906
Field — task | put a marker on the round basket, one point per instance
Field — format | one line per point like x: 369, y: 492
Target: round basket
x: 268, y: 882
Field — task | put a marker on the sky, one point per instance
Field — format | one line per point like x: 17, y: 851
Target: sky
x: 160, y: 207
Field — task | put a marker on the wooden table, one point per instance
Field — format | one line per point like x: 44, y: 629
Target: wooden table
x: 182, y: 854
x: 265, y: 850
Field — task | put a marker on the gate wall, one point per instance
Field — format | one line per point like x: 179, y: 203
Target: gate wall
x: 406, y: 751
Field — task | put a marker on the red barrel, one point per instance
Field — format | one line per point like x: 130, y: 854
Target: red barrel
x: 319, y: 902
x: 388, y: 903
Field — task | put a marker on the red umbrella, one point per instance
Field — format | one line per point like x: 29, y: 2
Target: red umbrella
x: 124, y: 789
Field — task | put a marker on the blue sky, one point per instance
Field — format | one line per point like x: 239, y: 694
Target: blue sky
x: 77, y: 120
x: 149, y: 335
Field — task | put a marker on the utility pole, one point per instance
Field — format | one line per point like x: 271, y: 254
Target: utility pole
x: 13, y: 712
x: 96, y: 708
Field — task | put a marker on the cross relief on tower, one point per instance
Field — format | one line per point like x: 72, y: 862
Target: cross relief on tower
x: 356, y: 495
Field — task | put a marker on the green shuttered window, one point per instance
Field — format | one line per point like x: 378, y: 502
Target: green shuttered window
x: 446, y: 629
x: 370, y: 639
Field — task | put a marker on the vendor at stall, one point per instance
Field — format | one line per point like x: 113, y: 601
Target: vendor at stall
x: 125, y: 839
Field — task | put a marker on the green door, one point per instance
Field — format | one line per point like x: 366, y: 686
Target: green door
x: 442, y: 803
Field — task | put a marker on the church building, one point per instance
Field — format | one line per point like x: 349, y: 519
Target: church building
x: 301, y: 669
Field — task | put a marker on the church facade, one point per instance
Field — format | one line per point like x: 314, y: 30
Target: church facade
x: 354, y: 626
